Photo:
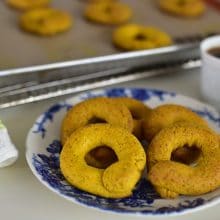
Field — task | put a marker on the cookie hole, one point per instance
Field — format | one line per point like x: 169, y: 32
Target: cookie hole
x: 96, y: 120
x: 186, y: 155
x: 181, y: 2
x: 101, y: 157
x: 41, y: 21
x: 141, y: 37
x: 108, y: 10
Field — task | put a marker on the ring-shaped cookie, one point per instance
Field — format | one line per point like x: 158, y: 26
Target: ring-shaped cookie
x: 117, y: 180
x: 109, y: 12
x: 100, y: 1
x: 45, y: 21
x: 28, y: 4
x: 172, y: 178
x: 186, y: 8
x: 138, y: 37
x: 167, y: 114
x: 138, y: 110
x: 95, y: 110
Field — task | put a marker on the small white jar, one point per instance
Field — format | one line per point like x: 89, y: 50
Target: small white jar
x: 8, y: 151
x: 210, y: 71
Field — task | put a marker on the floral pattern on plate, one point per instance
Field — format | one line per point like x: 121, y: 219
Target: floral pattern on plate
x: 43, y: 149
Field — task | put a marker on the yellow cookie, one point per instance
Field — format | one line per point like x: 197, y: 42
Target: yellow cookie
x: 95, y: 110
x: 28, y: 4
x: 108, y: 12
x: 98, y: 1
x: 171, y: 178
x: 117, y: 180
x: 188, y: 8
x: 168, y: 114
x: 138, y: 37
x: 45, y: 21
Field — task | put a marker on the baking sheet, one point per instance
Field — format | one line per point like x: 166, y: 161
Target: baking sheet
x: 85, y: 39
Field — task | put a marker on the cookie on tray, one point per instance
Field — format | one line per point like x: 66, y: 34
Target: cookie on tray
x: 98, y: 1
x: 186, y: 8
x: 139, y: 37
x: 108, y: 12
x: 45, y: 21
x: 28, y: 4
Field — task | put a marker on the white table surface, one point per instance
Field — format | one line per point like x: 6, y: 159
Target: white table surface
x: 23, y: 197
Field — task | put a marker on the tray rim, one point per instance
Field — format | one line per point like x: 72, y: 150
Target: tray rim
x: 123, y: 56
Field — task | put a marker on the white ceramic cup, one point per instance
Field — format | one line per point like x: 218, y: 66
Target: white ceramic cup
x: 210, y: 71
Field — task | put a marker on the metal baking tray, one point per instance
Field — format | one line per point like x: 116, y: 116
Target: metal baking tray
x: 23, y: 85
x: 85, y: 39
x: 50, y: 67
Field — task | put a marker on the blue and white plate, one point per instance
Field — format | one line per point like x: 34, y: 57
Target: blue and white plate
x: 43, y: 149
